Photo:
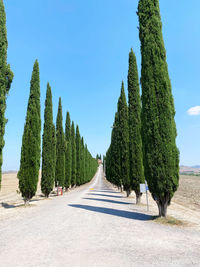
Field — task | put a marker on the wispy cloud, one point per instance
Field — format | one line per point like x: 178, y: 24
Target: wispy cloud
x: 194, y: 111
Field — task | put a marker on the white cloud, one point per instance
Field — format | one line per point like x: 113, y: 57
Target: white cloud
x: 194, y: 111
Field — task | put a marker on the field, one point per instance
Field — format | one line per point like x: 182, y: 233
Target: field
x: 188, y: 193
x: 9, y: 189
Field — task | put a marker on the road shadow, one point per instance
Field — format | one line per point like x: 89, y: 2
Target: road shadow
x: 7, y: 206
x: 103, y: 195
x: 105, y: 191
x: 108, y: 200
x: 119, y: 213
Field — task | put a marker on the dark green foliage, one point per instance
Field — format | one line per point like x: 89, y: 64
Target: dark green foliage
x: 117, y: 156
x: 6, y: 77
x: 54, y: 150
x: 98, y: 156
x: 113, y: 161
x: 86, y: 163
x: 161, y: 156
x: 135, y: 139
x: 60, y: 149
x: 73, y: 143
x: 90, y: 165
x: 82, y: 159
x: 30, y: 151
x: 48, y: 147
x: 78, y: 155
x: 68, y: 153
x: 124, y: 141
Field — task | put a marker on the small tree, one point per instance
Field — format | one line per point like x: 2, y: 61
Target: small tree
x: 68, y: 153
x: 48, y: 147
x: 135, y: 139
x: 30, y: 151
x: 161, y: 156
x: 73, y: 143
x: 6, y: 77
x: 60, y: 148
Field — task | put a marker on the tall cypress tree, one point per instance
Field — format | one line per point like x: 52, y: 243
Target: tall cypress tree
x: 30, y: 151
x: 73, y: 143
x: 78, y: 156
x: 161, y: 156
x: 124, y: 141
x: 6, y: 77
x: 68, y: 153
x: 60, y: 148
x: 48, y: 147
x: 135, y: 139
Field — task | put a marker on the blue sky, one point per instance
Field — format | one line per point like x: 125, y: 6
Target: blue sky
x: 82, y: 48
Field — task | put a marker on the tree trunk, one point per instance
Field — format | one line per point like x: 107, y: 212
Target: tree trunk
x: 26, y: 202
x: 163, y: 203
x: 138, y: 197
x: 128, y: 192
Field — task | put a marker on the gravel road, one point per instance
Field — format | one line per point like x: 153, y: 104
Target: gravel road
x: 93, y: 226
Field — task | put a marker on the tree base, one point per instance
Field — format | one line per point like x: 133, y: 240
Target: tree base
x: 128, y: 192
x: 26, y: 202
x: 138, y: 197
x: 162, y: 204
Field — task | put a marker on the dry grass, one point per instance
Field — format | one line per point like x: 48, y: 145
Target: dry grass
x: 169, y: 220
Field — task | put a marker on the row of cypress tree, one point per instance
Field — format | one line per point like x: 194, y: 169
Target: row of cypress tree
x: 144, y: 133
x: 66, y: 160
x: 124, y: 160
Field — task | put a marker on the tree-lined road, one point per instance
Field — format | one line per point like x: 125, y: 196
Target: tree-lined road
x: 94, y: 226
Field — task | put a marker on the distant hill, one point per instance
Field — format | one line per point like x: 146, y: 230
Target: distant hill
x: 5, y: 172
x: 196, y: 167
x: 190, y: 169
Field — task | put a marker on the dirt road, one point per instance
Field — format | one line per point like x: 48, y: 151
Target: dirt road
x: 93, y: 226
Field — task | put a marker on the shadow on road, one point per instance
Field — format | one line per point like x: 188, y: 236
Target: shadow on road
x: 115, y: 212
x: 105, y: 191
x: 103, y: 195
x: 108, y: 200
x: 7, y: 206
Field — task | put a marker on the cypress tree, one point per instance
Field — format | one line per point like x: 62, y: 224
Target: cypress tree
x: 82, y: 161
x: 114, y: 158
x: 48, y: 147
x: 6, y: 77
x: 78, y: 156
x: 161, y: 156
x: 124, y: 141
x: 68, y: 154
x: 135, y: 139
x: 30, y: 151
x: 54, y: 150
x: 60, y: 148
x: 73, y: 143
x: 86, y: 163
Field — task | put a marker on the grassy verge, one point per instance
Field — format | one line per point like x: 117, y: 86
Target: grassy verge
x: 169, y: 220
